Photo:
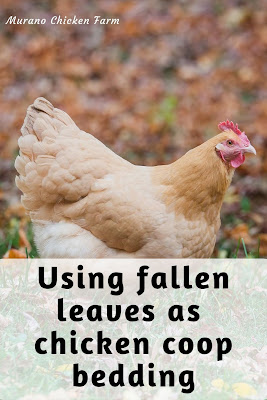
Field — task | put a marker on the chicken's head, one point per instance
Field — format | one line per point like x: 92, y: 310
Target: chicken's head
x: 234, y: 144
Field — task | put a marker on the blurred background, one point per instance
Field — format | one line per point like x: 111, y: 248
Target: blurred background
x: 150, y: 88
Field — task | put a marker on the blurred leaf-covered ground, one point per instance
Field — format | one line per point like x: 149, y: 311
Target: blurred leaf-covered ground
x: 150, y: 88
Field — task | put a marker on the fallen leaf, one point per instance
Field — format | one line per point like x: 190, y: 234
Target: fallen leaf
x: 263, y: 244
x: 217, y: 383
x: 14, y: 253
x: 241, y: 231
x: 64, y: 368
x: 23, y: 241
x: 244, y: 390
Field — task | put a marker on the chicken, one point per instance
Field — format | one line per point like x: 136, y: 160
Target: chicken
x: 87, y: 202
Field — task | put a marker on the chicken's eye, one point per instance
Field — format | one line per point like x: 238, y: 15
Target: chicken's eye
x: 229, y: 142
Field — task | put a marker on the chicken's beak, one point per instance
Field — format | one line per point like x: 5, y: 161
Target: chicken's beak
x: 250, y: 149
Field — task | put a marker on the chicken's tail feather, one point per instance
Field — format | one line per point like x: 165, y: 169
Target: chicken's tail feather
x: 39, y: 105
x: 38, y: 149
x: 43, y: 110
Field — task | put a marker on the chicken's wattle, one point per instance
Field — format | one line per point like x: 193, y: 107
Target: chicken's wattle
x: 237, y: 161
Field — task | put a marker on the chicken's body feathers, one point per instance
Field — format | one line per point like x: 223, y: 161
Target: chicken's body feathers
x: 86, y: 201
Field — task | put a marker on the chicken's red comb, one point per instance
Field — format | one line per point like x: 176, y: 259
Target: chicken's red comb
x: 223, y: 126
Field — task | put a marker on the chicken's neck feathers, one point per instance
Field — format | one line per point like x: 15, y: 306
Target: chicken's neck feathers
x: 195, y: 184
